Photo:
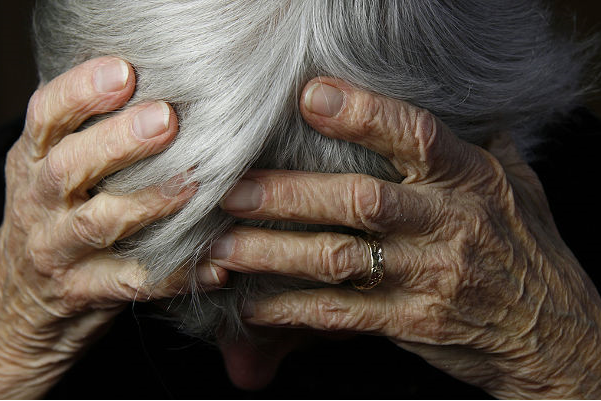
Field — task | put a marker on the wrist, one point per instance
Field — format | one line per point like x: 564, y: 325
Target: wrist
x: 31, y: 361
x: 34, y: 358
x: 560, y: 352
x: 576, y: 375
x: 38, y: 345
x: 25, y: 378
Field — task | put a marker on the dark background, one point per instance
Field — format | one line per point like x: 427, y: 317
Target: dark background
x: 143, y: 358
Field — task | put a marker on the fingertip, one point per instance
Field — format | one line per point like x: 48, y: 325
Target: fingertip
x: 172, y: 124
x: 109, y: 83
x: 111, y: 77
x: 246, y: 196
x: 60, y: 106
x: 337, y: 110
x: 219, y: 274
x: 323, y: 97
x: 96, y: 86
x: 171, y: 116
x: 155, y: 121
x: 211, y: 276
x: 325, y: 100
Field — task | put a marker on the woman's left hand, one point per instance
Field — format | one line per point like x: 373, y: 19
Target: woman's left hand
x: 477, y: 279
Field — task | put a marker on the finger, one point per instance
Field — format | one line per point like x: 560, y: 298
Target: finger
x: 353, y: 200
x: 79, y: 161
x: 401, y: 317
x: 59, y: 107
x: 184, y: 280
x: 324, y: 257
x: 103, y: 280
x: 416, y: 142
x: 104, y: 219
x: 331, y: 309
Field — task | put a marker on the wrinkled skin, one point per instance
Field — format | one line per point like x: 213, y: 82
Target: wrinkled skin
x: 477, y: 279
x: 60, y: 284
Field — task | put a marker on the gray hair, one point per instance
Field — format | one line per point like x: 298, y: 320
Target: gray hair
x: 233, y: 71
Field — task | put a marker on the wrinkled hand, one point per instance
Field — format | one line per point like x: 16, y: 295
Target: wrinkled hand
x: 477, y: 279
x: 60, y: 284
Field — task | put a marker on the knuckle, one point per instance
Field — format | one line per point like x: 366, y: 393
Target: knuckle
x: 73, y: 297
x: 281, y: 313
x: 374, y: 203
x: 436, y: 323
x: 54, y: 173
x: 496, y: 179
x: 43, y: 258
x: 139, y: 212
x: 133, y: 285
x: 13, y: 158
x: 459, y: 279
x: 16, y: 162
x: 339, y: 259
x: 87, y: 228
x: 113, y: 146
x: 142, y: 209
x: 371, y: 113
x: 34, y: 120
x: 330, y: 315
x: 427, y: 131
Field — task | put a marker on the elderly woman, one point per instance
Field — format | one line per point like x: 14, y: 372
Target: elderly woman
x: 440, y: 227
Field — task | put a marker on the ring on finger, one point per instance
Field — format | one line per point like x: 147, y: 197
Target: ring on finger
x: 376, y: 268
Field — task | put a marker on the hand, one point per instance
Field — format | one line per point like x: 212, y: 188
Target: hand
x: 60, y: 283
x: 477, y: 279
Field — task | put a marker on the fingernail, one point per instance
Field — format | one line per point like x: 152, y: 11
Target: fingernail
x: 207, y: 275
x: 111, y: 77
x: 324, y: 99
x: 174, y: 186
x: 214, y: 274
x: 247, y: 195
x: 247, y: 310
x: 223, y: 247
x: 151, y: 121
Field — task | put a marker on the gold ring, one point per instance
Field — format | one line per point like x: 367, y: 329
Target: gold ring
x: 376, y: 270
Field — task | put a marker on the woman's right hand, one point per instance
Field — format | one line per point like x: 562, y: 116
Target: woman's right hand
x: 60, y: 285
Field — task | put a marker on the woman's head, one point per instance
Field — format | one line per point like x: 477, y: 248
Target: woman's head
x: 233, y: 71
